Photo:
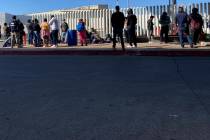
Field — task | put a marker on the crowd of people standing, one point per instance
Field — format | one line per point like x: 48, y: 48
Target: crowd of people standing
x: 46, y: 33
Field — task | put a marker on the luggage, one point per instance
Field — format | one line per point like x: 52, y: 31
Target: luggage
x: 72, y: 37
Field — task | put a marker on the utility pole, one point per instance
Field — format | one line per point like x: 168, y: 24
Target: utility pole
x: 172, y: 6
x: 128, y: 3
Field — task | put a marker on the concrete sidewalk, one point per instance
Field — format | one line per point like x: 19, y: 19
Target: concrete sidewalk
x: 143, y: 49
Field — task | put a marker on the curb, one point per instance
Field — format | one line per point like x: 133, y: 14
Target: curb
x: 92, y: 52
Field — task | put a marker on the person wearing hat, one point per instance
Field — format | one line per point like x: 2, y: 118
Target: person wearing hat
x: 196, y: 23
x: 131, y: 28
x: 150, y: 27
x: 182, y: 22
x: 118, y: 20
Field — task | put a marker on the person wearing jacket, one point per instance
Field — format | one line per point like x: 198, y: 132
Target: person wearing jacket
x: 196, y: 23
x: 182, y: 21
x: 45, y: 31
x: 131, y: 28
x: 14, y: 31
x: 30, y: 34
x: 117, y: 21
x: 82, y: 32
x: 54, y: 30
x: 37, y: 30
x: 165, y: 23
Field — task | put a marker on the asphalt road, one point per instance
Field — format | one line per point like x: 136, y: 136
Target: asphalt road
x: 104, y: 98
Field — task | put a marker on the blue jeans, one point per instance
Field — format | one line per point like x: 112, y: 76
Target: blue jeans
x: 63, y: 36
x: 54, y: 35
x: 30, y: 37
x: 181, y: 38
x: 37, y: 39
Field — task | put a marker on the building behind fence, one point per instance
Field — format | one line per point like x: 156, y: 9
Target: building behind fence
x: 99, y: 17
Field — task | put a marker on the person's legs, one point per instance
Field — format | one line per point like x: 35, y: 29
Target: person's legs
x: 55, y: 38
x: 196, y: 36
x: 114, y: 38
x: 134, y: 37
x: 166, y: 34
x: 161, y: 34
x: 121, y: 39
x: 189, y: 39
x: 35, y: 39
x: 181, y: 34
x: 130, y: 39
x: 13, y: 40
x: 81, y: 38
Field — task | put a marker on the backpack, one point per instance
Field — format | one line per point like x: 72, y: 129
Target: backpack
x: 64, y: 27
x: 194, y: 24
x: 80, y: 27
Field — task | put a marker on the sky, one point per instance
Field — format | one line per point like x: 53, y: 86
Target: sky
x: 32, y: 6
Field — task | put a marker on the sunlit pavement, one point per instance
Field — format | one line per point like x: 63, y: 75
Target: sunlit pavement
x: 104, y: 98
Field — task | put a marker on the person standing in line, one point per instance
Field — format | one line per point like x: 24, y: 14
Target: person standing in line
x: 182, y: 21
x: 6, y: 31
x: 150, y: 28
x: 126, y: 30
x: 64, y: 29
x: 196, y: 24
x: 117, y: 21
x: 45, y: 31
x: 131, y: 25
x: 14, y: 30
x: 54, y: 31
x: 82, y: 32
x: 30, y: 35
x: 37, y: 30
x: 165, y: 24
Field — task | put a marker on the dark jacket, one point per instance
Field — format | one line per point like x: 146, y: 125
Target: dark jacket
x: 150, y: 25
x: 36, y: 27
x: 118, y: 20
x: 29, y: 27
x: 182, y: 20
x: 132, y: 21
x: 165, y: 20
x: 14, y: 26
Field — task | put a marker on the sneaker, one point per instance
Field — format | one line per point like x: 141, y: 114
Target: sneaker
x: 134, y: 46
x: 182, y: 46
x: 129, y: 46
x: 53, y: 46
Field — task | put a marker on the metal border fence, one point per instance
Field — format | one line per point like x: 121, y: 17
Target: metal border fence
x: 100, y: 19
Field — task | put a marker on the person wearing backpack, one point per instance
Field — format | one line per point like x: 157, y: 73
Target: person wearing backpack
x: 150, y: 27
x: 64, y: 29
x: 182, y: 22
x: 14, y: 30
x: 196, y: 23
x: 82, y: 32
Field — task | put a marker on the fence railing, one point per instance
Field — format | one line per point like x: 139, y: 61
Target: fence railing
x: 100, y: 19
